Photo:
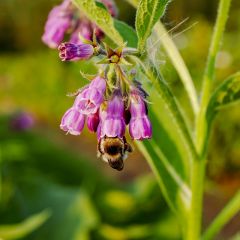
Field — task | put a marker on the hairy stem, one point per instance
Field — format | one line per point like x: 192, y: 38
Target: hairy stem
x: 223, y: 217
x: 210, y: 71
x: 179, y: 65
x: 198, y: 172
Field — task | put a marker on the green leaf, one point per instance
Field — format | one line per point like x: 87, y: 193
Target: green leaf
x: 167, y: 156
x: 127, y: 33
x: 20, y: 230
x: 148, y: 13
x: 175, y: 190
x: 168, y: 152
x: 227, y: 93
x: 101, y: 17
x: 73, y: 214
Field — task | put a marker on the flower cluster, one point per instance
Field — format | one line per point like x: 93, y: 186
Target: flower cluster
x: 113, y: 100
x: 67, y: 19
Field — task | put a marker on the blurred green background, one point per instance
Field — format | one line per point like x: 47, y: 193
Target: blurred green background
x: 52, y: 186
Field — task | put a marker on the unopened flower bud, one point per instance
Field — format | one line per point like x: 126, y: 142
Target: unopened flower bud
x: 73, y: 52
x: 93, y: 121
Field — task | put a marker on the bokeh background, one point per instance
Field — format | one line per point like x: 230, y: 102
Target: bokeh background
x: 52, y: 186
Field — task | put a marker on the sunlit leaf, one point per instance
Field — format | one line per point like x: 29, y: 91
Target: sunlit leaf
x: 19, y: 230
x: 148, y: 13
x: 101, y: 17
x: 227, y: 93
x: 168, y: 152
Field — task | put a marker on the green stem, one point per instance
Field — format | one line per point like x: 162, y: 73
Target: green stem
x: 210, y: 70
x: 198, y: 172
x: 195, y: 213
x: 179, y: 65
x: 223, y: 217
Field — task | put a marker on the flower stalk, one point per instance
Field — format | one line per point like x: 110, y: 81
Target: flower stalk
x: 198, y: 169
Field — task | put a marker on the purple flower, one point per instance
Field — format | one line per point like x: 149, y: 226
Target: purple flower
x: 93, y: 121
x: 73, y: 52
x: 102, y: 118
x: 21, y: 121
x: 139, y: 126
x: 113, y: 122
x: 91, y: 98
x: 85, y: 27
x: 73, y: 121
x: 59, y: 21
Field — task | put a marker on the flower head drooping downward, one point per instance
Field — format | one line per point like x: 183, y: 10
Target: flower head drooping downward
x: 113, y: 100
x: 59, y: 21
x: 67, y: 19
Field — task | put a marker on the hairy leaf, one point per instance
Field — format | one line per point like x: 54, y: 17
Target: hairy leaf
x: 176, y: 191
x: 148, y: 13
x: 228, y: 92
x: 167, y: 153
x: 101, y: 17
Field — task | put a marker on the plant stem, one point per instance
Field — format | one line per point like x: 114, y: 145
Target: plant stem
x: 223, y: 217
x: 195, y: 213
x: 210, y: 71
x: 179, y: 65
x: 198, y: 171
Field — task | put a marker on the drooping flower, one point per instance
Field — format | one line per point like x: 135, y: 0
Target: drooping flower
x: 139, y: 126
x: 59, y: 21
x: 72, y: 52
x: 113, y: 124
x: 21, y: 121
x: 92, y: 97
x: 65, y: 18
x: 109, y: 103
x: 73, y: 121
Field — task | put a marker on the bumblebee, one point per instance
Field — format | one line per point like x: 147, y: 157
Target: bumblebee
x: 114, y: 151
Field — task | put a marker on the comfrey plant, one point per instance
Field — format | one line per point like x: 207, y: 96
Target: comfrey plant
x: 115, y: 98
